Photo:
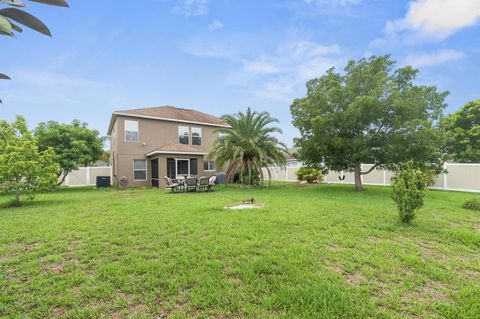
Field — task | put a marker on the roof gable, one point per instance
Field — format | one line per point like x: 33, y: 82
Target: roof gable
x: 170, y: 113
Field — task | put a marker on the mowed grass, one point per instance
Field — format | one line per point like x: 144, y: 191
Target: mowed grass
x: 311, y: 252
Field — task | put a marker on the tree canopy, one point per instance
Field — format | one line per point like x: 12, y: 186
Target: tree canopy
x: 74, y: 144
x: 23, y: 168
x: 463, y: 133
x: 372, y: 113
x: 248, y: 144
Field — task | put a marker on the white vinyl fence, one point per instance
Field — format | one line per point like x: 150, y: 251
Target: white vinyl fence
x: 459, y: 177
x: 87, y: 176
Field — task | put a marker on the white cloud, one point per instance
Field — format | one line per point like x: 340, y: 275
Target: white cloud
x: 191, y: 8
x: 436, y: 18
x: 215, y: 25
x: 285, y: 72
x: 260, y: 67
x: 278, y: 74
x: 334, y: 3
x: 434, y: 58
x: 208, y: 49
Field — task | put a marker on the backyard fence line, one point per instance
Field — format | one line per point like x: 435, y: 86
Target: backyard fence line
x: 463, y: 177
x: 87, y: 176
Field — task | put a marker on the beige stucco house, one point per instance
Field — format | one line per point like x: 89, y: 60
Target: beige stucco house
x: 150, y: 143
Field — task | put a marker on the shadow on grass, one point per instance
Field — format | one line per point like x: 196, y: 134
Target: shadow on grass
x: 12, y: 204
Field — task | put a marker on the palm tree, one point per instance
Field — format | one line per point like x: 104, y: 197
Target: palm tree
x: 9, y: 15
x: 247, y: 144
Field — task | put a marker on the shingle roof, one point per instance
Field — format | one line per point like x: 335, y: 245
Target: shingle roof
x: 175, y: 148
x: 175, y: 113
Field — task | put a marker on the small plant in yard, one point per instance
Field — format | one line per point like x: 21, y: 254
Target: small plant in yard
x: 473, y: 204
x: 309, y: 175
x: 23, y: 168
x: 408, y: 190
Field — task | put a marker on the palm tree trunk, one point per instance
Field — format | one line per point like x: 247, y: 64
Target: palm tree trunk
x: 249, y: 172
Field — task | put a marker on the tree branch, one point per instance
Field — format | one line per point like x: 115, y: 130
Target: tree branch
x: 370, y: 170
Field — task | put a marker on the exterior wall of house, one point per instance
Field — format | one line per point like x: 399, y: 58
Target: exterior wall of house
x: 114, y: 149
x: 153, y: 134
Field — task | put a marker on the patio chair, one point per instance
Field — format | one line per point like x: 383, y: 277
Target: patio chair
x: 211, y: 183
x: 191, y: 184
x: 203, y: 183
x: 171, y: 185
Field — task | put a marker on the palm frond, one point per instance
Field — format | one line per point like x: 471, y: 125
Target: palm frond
x: 248, y: 143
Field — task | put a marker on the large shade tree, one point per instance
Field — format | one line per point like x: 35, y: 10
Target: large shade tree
x: 24, y: 169
x: 74, y: 144
x: 372, y: 113
x: 248, y: 145
x: 10, y: 18
x: 463, y: 133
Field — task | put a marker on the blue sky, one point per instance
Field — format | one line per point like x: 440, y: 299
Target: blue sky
x: 221, y: 56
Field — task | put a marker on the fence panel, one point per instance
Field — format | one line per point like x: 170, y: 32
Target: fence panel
x: 459, y: 177
x: 87, y: 176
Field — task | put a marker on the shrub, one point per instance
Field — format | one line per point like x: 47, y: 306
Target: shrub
x: 309, y: 175
x: 255, y: 179
x: 408, y: 190
x: 473, y: 204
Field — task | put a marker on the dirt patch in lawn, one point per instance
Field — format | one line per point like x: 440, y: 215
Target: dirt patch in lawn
x: 54, y: 267
x: 334, y: 247
x: 245, y: 206
x: 432, y: 291
x: 355, y: 278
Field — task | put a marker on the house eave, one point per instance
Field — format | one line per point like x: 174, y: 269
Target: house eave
x: 165, y: 119
x: 174, y: 153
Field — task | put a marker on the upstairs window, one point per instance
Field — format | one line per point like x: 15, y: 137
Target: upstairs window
x: 183, y: 135
x: 131, y: 131
x: 208, y: 166
x: 196, y: 136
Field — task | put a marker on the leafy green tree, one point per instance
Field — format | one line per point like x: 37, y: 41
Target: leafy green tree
x: 74, y: 144
x: 372, y: 113
x: 9, y: 17
x: 248, y: 144
x: 463, y: 133
x: 409, y: 186
x: 23, y: 168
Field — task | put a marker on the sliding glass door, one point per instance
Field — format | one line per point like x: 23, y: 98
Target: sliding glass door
x: 183, y: 167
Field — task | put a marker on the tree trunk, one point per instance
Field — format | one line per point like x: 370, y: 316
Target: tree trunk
x: 249, y: 173
x: 17, y: 198
x: 64, y: 176
x: 358, y: 177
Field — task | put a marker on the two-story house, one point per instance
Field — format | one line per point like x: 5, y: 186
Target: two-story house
x: 148, y: 144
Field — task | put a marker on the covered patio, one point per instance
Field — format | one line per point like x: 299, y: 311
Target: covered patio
x: 175, y: 161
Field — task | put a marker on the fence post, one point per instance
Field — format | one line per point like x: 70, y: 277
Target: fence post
x: 88, y: 176
x: 384, y: 177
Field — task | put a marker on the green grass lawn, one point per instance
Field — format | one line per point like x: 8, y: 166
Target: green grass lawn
x: 311, y: 252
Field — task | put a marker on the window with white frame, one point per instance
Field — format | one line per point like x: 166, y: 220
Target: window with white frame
x: 196, y: 136
x: 140, y: 170
x: 208, y: 166
x: 131, y: 131
x: 183, y: 135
